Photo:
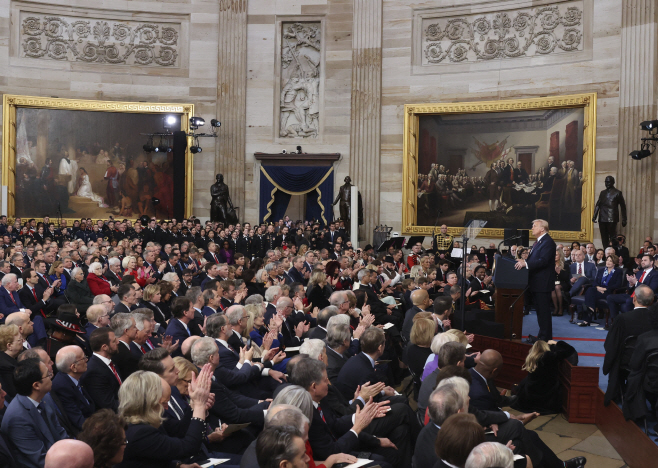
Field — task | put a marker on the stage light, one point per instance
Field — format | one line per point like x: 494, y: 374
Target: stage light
x: 148, y: 147
x: 649, y: 125
x: 215, y: 123
x: 155, y: 201
x: 195, y: 149
x: 641, y: 154
x: 196, y: 122
x: 169, y: 121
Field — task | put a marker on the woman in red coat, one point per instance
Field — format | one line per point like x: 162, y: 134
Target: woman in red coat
x: 97, y: 283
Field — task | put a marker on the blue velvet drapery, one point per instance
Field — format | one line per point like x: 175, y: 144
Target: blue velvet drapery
x: 279, y: 183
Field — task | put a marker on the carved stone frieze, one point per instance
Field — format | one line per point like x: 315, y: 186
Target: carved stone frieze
x: 99, y: 40
x: 503, y: 34
x: 301, y: 56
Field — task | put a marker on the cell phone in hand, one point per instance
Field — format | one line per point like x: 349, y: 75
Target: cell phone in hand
x: 249, y: 343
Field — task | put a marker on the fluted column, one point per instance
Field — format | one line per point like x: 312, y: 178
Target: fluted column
x: 231, y: 97
x: 365, y: 132
x: 637, y: 102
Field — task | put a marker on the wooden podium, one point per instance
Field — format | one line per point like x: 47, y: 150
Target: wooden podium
x: 504, y: 299
x: 510, y: 284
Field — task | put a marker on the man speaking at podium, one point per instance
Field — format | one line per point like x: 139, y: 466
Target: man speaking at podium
x: 541, y: 277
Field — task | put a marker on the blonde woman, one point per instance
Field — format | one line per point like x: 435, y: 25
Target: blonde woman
x: 141, y: 403
x: 317, y: 292
x: 540, y: 390
x: 11, y: 345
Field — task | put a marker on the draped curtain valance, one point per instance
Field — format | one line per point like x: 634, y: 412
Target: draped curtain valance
x: 279, y: 183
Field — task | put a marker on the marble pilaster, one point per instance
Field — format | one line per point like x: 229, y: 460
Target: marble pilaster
x: 365, y: 131
x: 637, y: 102
x: 231, y: 98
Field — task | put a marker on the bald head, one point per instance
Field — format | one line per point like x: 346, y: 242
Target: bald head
x: 419, y: 297
x: 187, y: 345
x: 69, y: 453
x: 489, y: 363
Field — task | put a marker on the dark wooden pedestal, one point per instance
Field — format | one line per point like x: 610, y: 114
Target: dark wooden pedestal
x: 504, y: 299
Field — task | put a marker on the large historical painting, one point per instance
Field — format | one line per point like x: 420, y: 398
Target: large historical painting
x: 90, y: 163
x: 507, y: 168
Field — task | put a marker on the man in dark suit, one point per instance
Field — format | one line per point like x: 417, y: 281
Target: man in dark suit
x: 630, y: 324
x: 102, y: 379
x: 585, y: 271
x: 10, y: 300
x: 541, y: 277
x: 329, y: 433
x: 124, y: 327
x: 182, y: 312
x: 33, y: 295
x: 297, y: 271
x: 230, y: 407
x: 31, y: 428
x: 361, y: 368
x: 646, y: 275
x: 320, y: 332
x: 113, y: 272
x: 440, y: 400
x: 71, y: 363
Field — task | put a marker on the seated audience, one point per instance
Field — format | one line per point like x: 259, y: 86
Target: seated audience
x: 70, y: 453
x: 459, y: 434
x: 489, y: 454
x: 105, y: 433
x: 11, y: 345
x: 71, y: 364
x: 102, y: 379
x: 141, y: 405
x: 30, y: 426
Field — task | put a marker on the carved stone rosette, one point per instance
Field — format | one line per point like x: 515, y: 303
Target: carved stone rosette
x: 84, y: 39
x: 301, y: 56
x: 503, y: 34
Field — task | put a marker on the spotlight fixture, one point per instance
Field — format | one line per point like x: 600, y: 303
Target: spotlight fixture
x: 169, y: 121
x: 196, y: 122
x: 195, y: 149
x: 641, y: 154
x: 215, y: 123
x: 649, y: 125
x: 148, y: 147
x: 299, y: 150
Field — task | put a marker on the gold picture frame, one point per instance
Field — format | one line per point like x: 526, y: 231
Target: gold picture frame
x: 12, y: 103
x: 412, y: 159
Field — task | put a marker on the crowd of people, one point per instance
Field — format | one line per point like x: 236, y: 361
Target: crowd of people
x: 505, y: 184
x: 171, y: 343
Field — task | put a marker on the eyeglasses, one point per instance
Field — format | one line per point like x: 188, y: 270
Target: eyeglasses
x: 84, y: 358
x: 187, y: 381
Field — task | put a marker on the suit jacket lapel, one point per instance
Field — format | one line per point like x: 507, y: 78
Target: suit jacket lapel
x: 38, y: 420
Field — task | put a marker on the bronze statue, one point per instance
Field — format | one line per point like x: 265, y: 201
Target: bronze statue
x: 221, y: 206
x: 607, y: 209
x: 345, y: 198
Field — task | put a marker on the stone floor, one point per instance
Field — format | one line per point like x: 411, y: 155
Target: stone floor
x: 574, y: 440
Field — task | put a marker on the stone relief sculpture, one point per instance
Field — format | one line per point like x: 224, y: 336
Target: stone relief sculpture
x: 525, y: 32
x: 81, y: 39
x: 300, y: 80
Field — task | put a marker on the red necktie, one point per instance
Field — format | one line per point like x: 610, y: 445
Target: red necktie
x: 142, y: 348
x: 12, y: 298
x: 114, y: 371
x: 639, y: 281
x: 321, y: 414
x: 580, y: 269
x: 34, y: 293
x: 150, y: 344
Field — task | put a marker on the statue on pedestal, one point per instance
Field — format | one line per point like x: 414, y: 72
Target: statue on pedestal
x: 607, y: 209
x: 221, y: 206
x: 345, y: 198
